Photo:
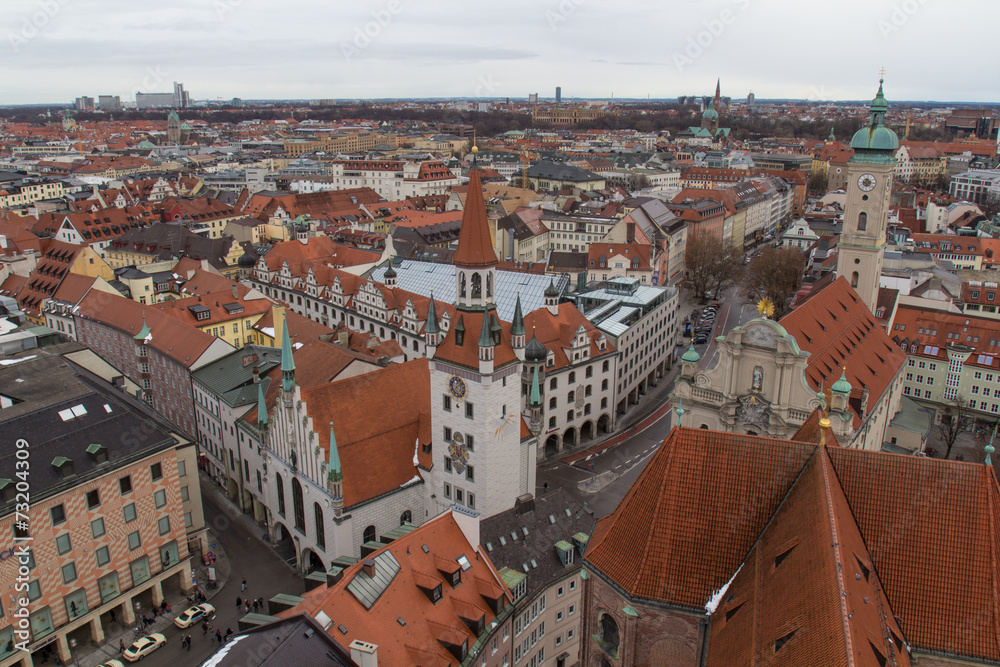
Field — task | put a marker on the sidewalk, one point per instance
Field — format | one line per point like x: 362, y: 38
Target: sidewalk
x: 178, y: 603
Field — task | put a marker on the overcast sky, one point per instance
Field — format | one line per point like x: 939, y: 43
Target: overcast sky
x: 56, y: 50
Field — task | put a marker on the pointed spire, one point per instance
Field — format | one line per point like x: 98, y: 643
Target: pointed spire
x: 535, y: 398
x: 475, y: 249
x: 486, y: 334
x: 334, y: 471
x: 287, y: 360
x: 261, y: 408
x: 517, y: 324
x: 432, y: 320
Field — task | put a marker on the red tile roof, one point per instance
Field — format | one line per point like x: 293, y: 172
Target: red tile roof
x: 376, y: 454
x: 467, y: 354
x: 933, y: 330
x: 427, y: 624
x: 689, y: 520
x: 837, y: 329
x: 475, y: 247
x: 807, y: 593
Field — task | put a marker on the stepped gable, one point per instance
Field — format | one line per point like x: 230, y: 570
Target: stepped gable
x: 807, y: 594
x: 689, y: 520
x: 837, y: 330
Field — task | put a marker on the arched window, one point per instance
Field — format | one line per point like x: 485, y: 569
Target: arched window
x: 862, y: 221
x: 913, y: 348
x: 489, y: 285
x: 609, y: 634
x: 281, y: 494
x: 854, y: 279
x: 704, y: 426
x: 320, y: 529
x: 477, y: 285
x: 407, y: 517
x: 298, y: 507
x: 461, y: 281
x: 368, y: 535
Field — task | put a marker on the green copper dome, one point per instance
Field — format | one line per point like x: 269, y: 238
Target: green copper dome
x: 875, y: 137
x: 710, y: 113
x: 691, y: 356
x: 842, y: 386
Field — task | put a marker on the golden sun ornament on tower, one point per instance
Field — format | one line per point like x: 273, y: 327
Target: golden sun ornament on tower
x: 765, y: 307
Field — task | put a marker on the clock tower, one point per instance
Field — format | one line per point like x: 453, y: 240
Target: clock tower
x: 866, y: 213
x: 481, y: 463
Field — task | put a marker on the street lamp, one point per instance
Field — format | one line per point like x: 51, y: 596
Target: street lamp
x: 72, y: 648
x: 138, y: 617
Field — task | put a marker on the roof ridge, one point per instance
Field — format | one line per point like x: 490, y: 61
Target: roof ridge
x: 825, y: 469
x: 995, y: 540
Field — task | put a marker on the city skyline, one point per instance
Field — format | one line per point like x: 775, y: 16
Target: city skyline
x: 392, y: 49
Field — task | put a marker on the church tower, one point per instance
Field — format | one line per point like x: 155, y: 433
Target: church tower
x: 866, y: 213
x: 173, y: 128
x: 481, y: 463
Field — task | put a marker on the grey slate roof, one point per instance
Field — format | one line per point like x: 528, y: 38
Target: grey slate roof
x: 561, y: 172
x: 546, y: 524
x: 297, y: 641
x: 231, y: 377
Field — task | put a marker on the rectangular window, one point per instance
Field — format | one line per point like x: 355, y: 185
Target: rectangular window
x: 129, y: 512
x: 134, y: 541
x: 34, y: 590
x: 69, y: 573
x: 459, y: 496
x: 93, y: 499
x: 470, y: 474
x: 125, y: 484
x: 468, y: 410
x: 63, y: 544
x: 97, y: 528
x: 472, y: 501
x: 181, y: 469
x: 187, y: 520
x: 447, y: 434
x: 163, y: 525
x: 447, y: 490
x: 140, y: 570
x: 160, y: 498
x: 447, y: 463
x: 58, y: 514
x: 102, y: 556
x: 156, y: 471
x: 447, y: 403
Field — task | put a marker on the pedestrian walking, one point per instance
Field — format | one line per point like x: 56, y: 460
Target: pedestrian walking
x: 204, y: 627
x: 112, y: 615
x: 255, y: 605
x: 218, y: 636
x: 229, y: 633
x: 239, y: 602
x: 244, y: 584
x: 121, y: 645
x: 188, y: 640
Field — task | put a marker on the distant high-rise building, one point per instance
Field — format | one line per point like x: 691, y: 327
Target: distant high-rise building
x: 532, y: 98
x: 558, y: 94
x: 237, y: 103
x: 750, y: 99
x: 84, y: 104
x: 109, y: 103
x: 178, y: 99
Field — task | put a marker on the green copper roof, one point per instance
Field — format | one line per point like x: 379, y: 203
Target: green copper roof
x: 535, y: 397
x: 710, y: 113
x: 334, y: 473
x: 432, y: 320
x: 287, y: 360
x: 691, y: 356
x: 517, y: 324
x: 876, y: 137
x: 485, y: 335
x: 144, y: 332
x: 261, y: 406
x: 842, y: 386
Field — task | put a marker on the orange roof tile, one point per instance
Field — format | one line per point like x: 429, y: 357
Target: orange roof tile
x: 837, y: 329
x: 376, y: 454
x: 475, y: 249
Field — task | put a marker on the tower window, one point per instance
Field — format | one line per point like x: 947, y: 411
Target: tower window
x: 862, y: 221
x: 854, y: 279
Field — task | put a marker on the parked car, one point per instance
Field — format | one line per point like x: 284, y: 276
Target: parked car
x: 142, y: 647
x: 194, y: 614
x: 112, y: 663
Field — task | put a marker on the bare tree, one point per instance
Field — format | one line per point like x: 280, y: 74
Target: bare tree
x: 711, y: 265
x: 956, y: 418
x: 817, y: 183
x: 775, y: 273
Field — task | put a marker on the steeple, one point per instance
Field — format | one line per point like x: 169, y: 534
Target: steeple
x: 535, y: 404
x: 335, y: 474
x: 287, y: 361
x: 552, y: 298
x: 432, y: 332
x: 475, y: 249
x: 261, y: 409
x: 517, y: 331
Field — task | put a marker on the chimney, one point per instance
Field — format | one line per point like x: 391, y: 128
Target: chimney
x: 256, y: 375
x: 344, y: 338
x: 364, y: 654
x: 236, y: 291
x: 369, y: 567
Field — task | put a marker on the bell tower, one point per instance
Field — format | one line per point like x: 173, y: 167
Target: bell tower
x: 866, y: 213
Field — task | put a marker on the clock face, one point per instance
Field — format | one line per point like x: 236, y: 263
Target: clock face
x: 456, y: 386
x: 866, y: 182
